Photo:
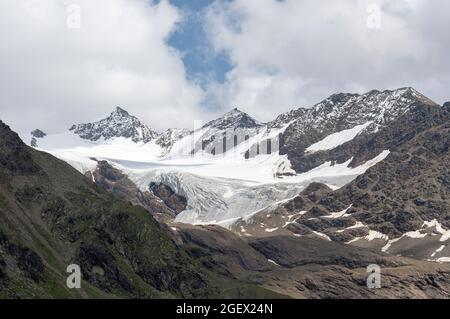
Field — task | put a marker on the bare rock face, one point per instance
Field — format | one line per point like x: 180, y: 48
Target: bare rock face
x: 175, y: 202
x: 119, y: 124
x: 120, y: 185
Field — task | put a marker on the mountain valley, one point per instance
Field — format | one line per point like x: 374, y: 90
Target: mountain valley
x: 296, y: 207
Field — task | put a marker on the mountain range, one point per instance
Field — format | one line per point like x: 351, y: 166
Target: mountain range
x: 317, y: 194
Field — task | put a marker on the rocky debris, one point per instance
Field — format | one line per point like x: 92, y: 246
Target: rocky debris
x: 119, y: 124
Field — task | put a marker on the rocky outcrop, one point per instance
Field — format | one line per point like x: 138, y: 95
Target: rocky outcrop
x: 175, y: 202
x: 14, y: 156
x: 119, y: 124
x: 168, y: 139
x: 121, y: 186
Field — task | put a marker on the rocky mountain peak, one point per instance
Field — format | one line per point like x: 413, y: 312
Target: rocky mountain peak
x: 346, y: 110
x: 234, y: 119
x: 120, y: 112
x: 118, y: 124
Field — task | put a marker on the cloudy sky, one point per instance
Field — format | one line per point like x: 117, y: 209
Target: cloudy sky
x: 172, y: 62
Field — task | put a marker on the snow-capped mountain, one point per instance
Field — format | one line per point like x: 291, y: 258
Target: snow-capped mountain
x: 327, y: 143
x: 226, y: 132
x: 399, y: 206
x: 233, y: 120
x: 338, y: 120
x: 344, y: 110
x: 119, y: 124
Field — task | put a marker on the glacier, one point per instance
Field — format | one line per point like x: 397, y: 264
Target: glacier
x: 220, y: 186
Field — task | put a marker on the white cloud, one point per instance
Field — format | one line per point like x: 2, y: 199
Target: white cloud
x: 285, y: 54
x: 53, y: 76
x: 292, y: 53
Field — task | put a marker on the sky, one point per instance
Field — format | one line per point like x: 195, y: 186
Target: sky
x: 172, y: 62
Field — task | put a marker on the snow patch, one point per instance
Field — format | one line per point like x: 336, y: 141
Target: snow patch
x: 443, y: 260
x: 272, y: 262
x: 339, y: 214
x: 438, y: 250
x: 326, y: 237
x: 336, y: 139
x: 434, y: 223
x: 372, y: 236
x: 358, y: 224
x: 421, y: 233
